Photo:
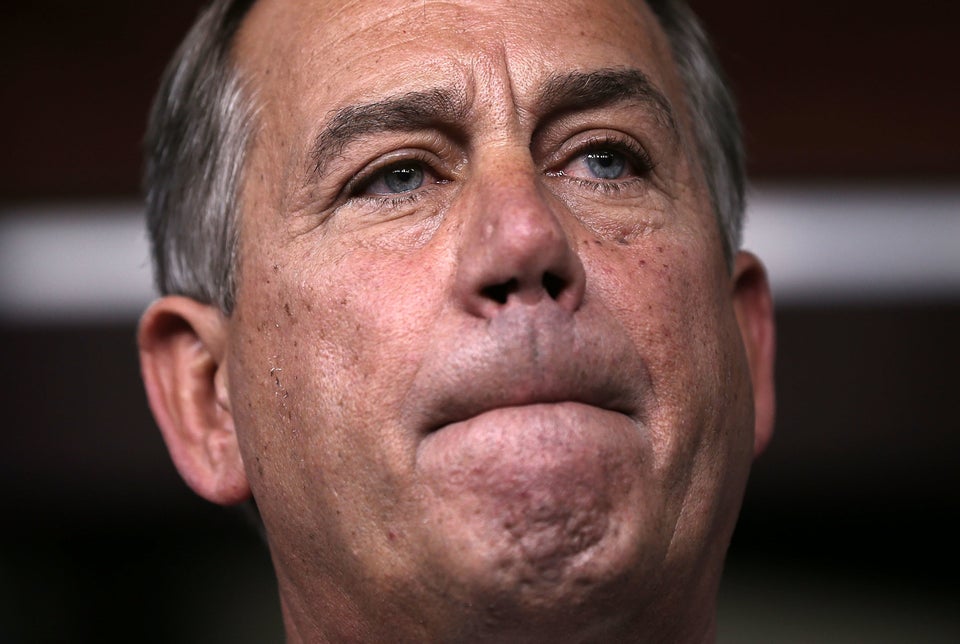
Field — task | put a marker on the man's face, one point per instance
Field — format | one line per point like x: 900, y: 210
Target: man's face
x: 484, y: 361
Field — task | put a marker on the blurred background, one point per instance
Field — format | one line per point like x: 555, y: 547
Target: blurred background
x: 847, y: 533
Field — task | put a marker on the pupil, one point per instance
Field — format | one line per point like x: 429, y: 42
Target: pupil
x: 404, y: 179
x: 606, y: 165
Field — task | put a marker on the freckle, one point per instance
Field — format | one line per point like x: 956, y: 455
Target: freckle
x: 391, y: 535
x: 643, y: 263
x: 286, y: 307
x: 659, y: 249
x: 309, y: 308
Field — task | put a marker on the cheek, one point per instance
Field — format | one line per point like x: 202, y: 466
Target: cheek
x: 672, y: 298
x: 321, y: 364
x: 674, y: 303
x: 315, y: 366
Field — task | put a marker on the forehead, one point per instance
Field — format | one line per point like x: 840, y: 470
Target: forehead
x: 316, y: 55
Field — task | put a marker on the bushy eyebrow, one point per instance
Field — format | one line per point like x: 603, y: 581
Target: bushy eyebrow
x: 407, y: 112
x: 577, y: 91
x: 413, y: 111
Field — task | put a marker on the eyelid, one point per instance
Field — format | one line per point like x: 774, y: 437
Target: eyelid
x: 363, y: 178
x: 637, y: 154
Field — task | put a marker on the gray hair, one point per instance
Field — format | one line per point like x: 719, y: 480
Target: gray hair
x: 197, y: 135
x: 203, y: 118
x: 714, y: 113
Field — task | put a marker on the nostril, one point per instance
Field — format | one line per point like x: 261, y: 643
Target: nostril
x: 553, y: 285
x: 500, y: 292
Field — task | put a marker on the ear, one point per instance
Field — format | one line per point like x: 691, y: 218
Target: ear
x: 183, y: 361
x: 753, y: 305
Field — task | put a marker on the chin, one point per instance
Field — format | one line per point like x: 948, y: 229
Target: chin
x: 548, y: 526
x: 547, y: 587
x: 558, y: 592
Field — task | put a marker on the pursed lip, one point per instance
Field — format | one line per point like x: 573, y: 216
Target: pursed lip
x: 524, y: 360
x: 465, y: 406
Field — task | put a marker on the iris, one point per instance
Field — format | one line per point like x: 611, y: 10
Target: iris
x: 605, y: 164
x: 403, y: 178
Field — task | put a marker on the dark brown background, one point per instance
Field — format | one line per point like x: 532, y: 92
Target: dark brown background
x: 843, y: 90
x: 848, y: 515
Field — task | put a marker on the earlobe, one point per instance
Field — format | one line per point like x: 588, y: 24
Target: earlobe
x: 183, y: 360
x: 754, y: 309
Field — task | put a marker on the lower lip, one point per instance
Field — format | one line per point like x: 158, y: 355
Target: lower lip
x: 536, y: 431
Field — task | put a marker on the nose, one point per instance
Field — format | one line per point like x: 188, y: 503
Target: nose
x: 514, y: 251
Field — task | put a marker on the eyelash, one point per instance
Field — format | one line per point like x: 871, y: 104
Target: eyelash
x: 399, y: 201
x: 638, y: 158
x: 393, y: 201
x: 354, y: 189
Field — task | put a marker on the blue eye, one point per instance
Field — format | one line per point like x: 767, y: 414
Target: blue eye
x: 605, y: 164
x: 397, y: 179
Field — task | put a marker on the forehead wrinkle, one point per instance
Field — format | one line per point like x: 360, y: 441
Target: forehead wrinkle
x: 407, y: 112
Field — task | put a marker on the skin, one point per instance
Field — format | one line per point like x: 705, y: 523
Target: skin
x: 516, y: 402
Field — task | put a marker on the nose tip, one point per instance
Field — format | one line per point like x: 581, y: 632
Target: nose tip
x: 516, y: 252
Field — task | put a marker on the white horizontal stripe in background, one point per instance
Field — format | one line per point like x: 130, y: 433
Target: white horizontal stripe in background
x: 68, y: 263
x: 831, y: 245
x: 71, y: 263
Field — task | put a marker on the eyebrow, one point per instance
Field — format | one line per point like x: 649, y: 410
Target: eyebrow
x: 407, y: 112
x: 586, y: 90
x: 413, y: 111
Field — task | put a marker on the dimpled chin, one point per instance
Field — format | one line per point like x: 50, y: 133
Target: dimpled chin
x: 535, y: 497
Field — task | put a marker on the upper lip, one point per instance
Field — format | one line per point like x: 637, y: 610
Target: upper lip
x: 526, y: 362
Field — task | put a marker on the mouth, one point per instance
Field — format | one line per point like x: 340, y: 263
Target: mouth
x: 535, y: 394
x: 525, y: 359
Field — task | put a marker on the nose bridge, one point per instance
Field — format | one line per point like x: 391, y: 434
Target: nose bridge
x: 514, y: 249
x: 518, y: 219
